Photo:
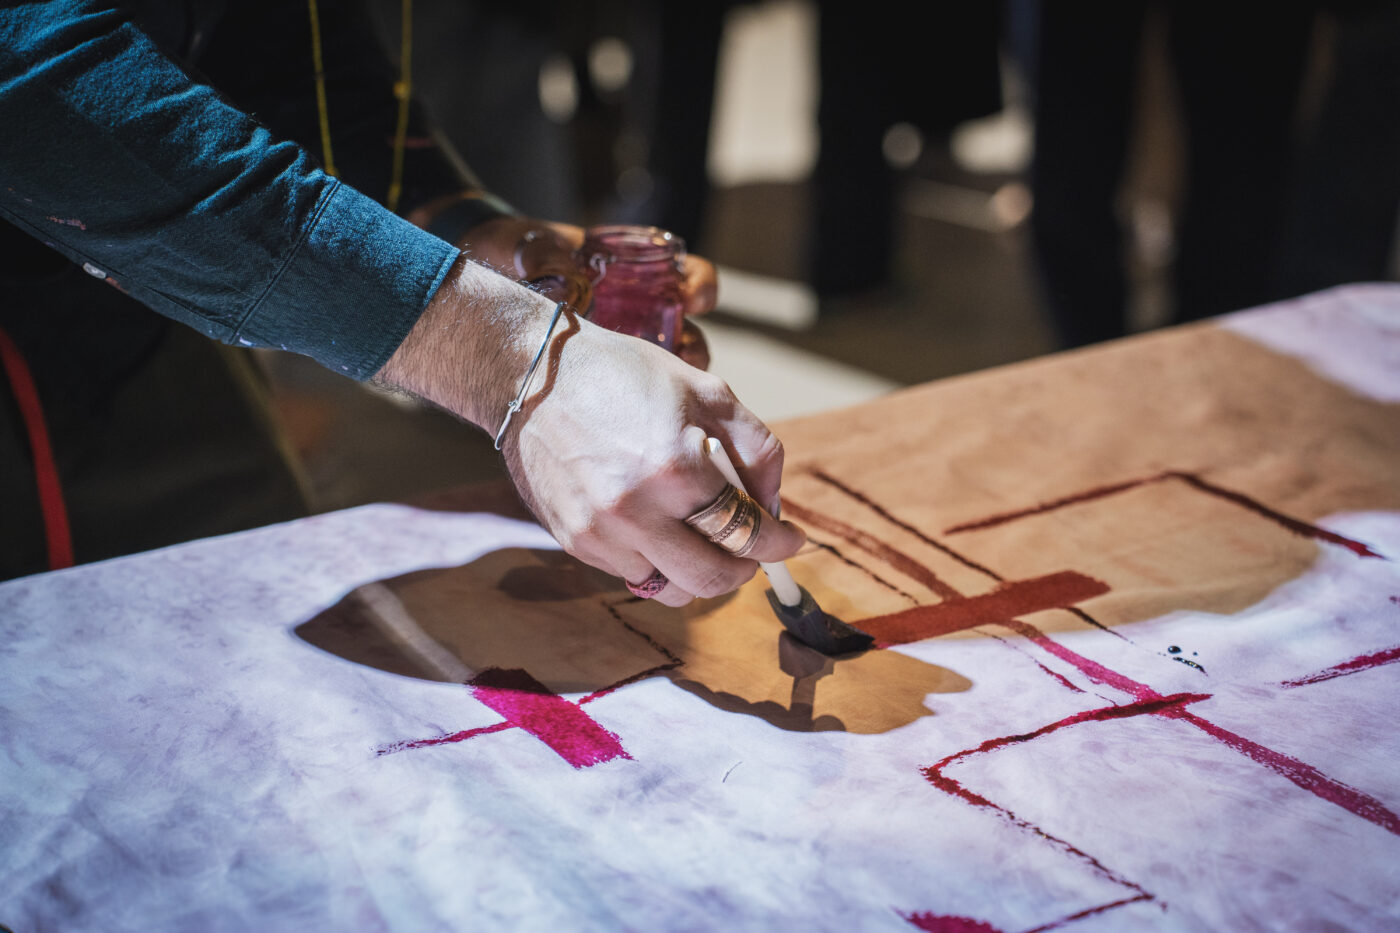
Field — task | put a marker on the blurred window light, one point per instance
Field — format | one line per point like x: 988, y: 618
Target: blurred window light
x: 997, y: 144
x: 609, y: 64
x: 902, y: 145
x: 558, y: 89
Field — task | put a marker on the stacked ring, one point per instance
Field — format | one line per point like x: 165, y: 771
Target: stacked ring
x: 731, y: 521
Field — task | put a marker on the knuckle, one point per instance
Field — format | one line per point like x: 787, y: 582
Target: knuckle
x: 674, y: 596
x: 714, y: 390
x: 771, y: 450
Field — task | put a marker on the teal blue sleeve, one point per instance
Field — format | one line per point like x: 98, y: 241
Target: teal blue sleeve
x: 112, y: 154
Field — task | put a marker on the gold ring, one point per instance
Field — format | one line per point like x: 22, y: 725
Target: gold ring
x: 731, y: 521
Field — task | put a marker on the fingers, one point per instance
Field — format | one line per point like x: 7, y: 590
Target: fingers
x: 700, y: 287
x: 697, y: 565
x: 692, y: 346
x: 756, y: 453
x: 777, y: 540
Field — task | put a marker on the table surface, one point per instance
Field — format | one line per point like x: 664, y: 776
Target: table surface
x: 1135, y: 609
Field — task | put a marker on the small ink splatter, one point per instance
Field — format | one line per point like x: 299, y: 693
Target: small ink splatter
x: 1189, y: 663
x: 1174, y: 649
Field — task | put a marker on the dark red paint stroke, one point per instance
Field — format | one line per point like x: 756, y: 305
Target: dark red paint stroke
x: 1064, y: 681
x: 659, y: 648
x: 1090, y: 912
x: 1088, y: 495
x: 659, y: 669
x: 1147, y: 707
x: 527, y: 703
x: 1091, y: 669
x: 1363, y: 663
x: 942, y: 923
x: 836, y: 552
x: 966, y: 561
x: 1090, y: 620
x: 888, y: 516
x: 935, y: 776
x: 1304, y: 775
x: 1296, y: 526
x: 462, y: 736
x: 1292, y: 524
x: 900, y: 561
x: 1020, y: 597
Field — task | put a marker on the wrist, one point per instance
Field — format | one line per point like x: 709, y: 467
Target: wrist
x: 470, y: 348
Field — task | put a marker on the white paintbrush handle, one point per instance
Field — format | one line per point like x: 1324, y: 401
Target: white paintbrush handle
x: 784, y: 586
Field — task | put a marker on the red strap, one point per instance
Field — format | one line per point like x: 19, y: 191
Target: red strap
x: 46, y: 479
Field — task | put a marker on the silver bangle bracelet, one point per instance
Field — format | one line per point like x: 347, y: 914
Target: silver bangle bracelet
x: 514, y: 406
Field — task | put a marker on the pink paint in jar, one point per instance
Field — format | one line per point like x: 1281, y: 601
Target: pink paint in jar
x: 636, y: 275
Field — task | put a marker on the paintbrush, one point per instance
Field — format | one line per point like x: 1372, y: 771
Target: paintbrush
x: 791, y: 603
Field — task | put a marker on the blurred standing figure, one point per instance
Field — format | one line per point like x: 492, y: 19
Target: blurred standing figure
x: 1346, y: 194
x: 877, y: 69
x: 1239, y: 70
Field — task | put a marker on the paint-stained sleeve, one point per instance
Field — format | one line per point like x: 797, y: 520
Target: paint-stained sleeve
x: 115, y: 156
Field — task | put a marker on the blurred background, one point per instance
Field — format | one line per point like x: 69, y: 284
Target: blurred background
x: 891, y: 203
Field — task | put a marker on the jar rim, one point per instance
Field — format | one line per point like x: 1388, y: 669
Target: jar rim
x: 635, y: 242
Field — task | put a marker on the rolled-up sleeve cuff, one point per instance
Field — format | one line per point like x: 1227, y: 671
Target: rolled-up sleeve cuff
x: 352, y: 288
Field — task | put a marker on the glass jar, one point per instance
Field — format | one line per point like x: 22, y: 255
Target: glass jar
x: 636, y: 275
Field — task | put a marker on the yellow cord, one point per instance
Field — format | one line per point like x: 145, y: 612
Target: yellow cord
x: 403, y: 90
x: 321, y: 111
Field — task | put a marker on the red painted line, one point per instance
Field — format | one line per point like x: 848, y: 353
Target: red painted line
x: 1087, y: 496
x: 935, y: 776
x: 1091, y: 669
x: 1304, y: 775
x: 835, y: 552
x: 1292, y: 524
x: 1148, y: 707
x: 888, y: 516
x: 897, y: 559
x: 659, y: 669
x: 442, y: 739
x: 1363, y: 663
x: 1064, y: 681
x: 1091, y: 912
x: 527, y: 703
x: 1002, y: 605
x: 943, y: 923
